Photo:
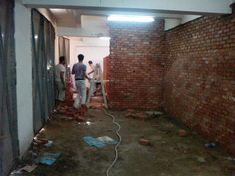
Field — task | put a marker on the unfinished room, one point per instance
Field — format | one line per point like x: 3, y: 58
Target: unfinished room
x: 117, y: 88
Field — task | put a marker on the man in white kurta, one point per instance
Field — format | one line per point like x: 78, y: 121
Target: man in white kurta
x: 60, y: 79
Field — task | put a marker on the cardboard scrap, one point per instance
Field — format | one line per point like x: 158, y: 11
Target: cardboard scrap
x: 29, y: 168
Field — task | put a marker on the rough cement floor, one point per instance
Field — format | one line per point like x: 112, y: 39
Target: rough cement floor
x: 169, y: 154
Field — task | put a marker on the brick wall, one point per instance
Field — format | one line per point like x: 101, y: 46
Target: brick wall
x: 199, y: 77
x: 106, y: 72
x: 135, y: 66
x: 190, y: 71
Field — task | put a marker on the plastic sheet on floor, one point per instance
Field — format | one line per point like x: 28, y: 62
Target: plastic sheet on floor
x: 99, y: 142
x: 48, y: 158
x: 93, y: 142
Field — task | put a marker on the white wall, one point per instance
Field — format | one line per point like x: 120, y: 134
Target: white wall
x: 171, y: 23
x: 92, y: 48
x: 24, y: 75
x: 187, y: 18
x: 23, y: 49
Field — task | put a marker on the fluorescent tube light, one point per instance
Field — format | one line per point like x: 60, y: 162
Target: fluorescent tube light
x: 104, y: 38
x: 127, y: 18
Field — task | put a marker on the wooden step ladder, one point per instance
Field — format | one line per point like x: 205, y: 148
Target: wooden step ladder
x: 92, y: 90
x: 93, y: 87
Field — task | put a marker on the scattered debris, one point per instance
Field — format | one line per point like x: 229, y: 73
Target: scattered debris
x: 230, y: 158
x: 39, y: 141
x: 130, y: 110
x: 93, y: 142
x: 65, y: 118
x: 99, y: 142
x: 16, y: 172
x: 66, y: 110
x: 143, y: 115
x: 144, y: 141
x: 154, y: 114
x: 29, y: 168
x: 48, y: 158
x: 201, y: 159
x: 49, y: 143
x: 210, y: 145
x: 96, y: 105
x: 182, y: 133
x: 136, y: 115
x: 130, y: 115
x: 97, y: 99
x: 107, y: 140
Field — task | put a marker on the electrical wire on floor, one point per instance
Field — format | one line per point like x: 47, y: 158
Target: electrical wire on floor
x: 119, y: 142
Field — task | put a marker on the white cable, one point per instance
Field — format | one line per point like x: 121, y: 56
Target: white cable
x: 119, y: 142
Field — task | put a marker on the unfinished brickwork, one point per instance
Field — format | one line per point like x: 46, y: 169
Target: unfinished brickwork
x: 189, y: 71
x: 135, y: 65
x: 199, y: 77
x: 106, y: 73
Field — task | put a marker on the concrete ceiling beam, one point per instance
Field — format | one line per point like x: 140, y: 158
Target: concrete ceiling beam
x: 166, y: 6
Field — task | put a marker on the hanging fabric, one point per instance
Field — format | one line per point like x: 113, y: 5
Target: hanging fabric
x: 8, y: 116
x: 43, y: 40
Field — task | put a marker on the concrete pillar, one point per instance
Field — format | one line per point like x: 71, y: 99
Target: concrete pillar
x: 23, y: 51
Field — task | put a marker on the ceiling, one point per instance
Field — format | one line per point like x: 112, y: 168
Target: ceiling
x: 88, y: 18
x: 72, y: 17
x: 88, y: 23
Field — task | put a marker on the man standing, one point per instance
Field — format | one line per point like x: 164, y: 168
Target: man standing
x: 60, y: 79
x: 92, y: 68
x: 90, y: 74
x: 79, y: 70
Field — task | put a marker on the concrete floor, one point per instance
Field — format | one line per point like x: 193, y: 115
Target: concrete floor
x: 168, y: 155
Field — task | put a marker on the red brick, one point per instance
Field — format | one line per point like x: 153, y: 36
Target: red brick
x: 199, y: 77
x: 189, y: 71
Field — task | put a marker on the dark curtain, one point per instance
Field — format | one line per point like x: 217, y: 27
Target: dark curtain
x: 43, y: 40
x: 8, y: 115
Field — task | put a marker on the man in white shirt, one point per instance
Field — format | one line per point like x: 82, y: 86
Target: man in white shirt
x: 90, y: 84
x: 91, y: 70
x: 60, y: 79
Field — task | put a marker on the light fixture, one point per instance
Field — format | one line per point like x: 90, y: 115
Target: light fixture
x: 104, y: 38
x: 58, y: 10
x: 128, y: 18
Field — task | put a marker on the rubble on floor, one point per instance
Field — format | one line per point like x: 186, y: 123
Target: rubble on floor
x: 144, y: 141
x: 142, y: 115
x: 66, y: 110
x: 182, y: 133
x: 151, y: 147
